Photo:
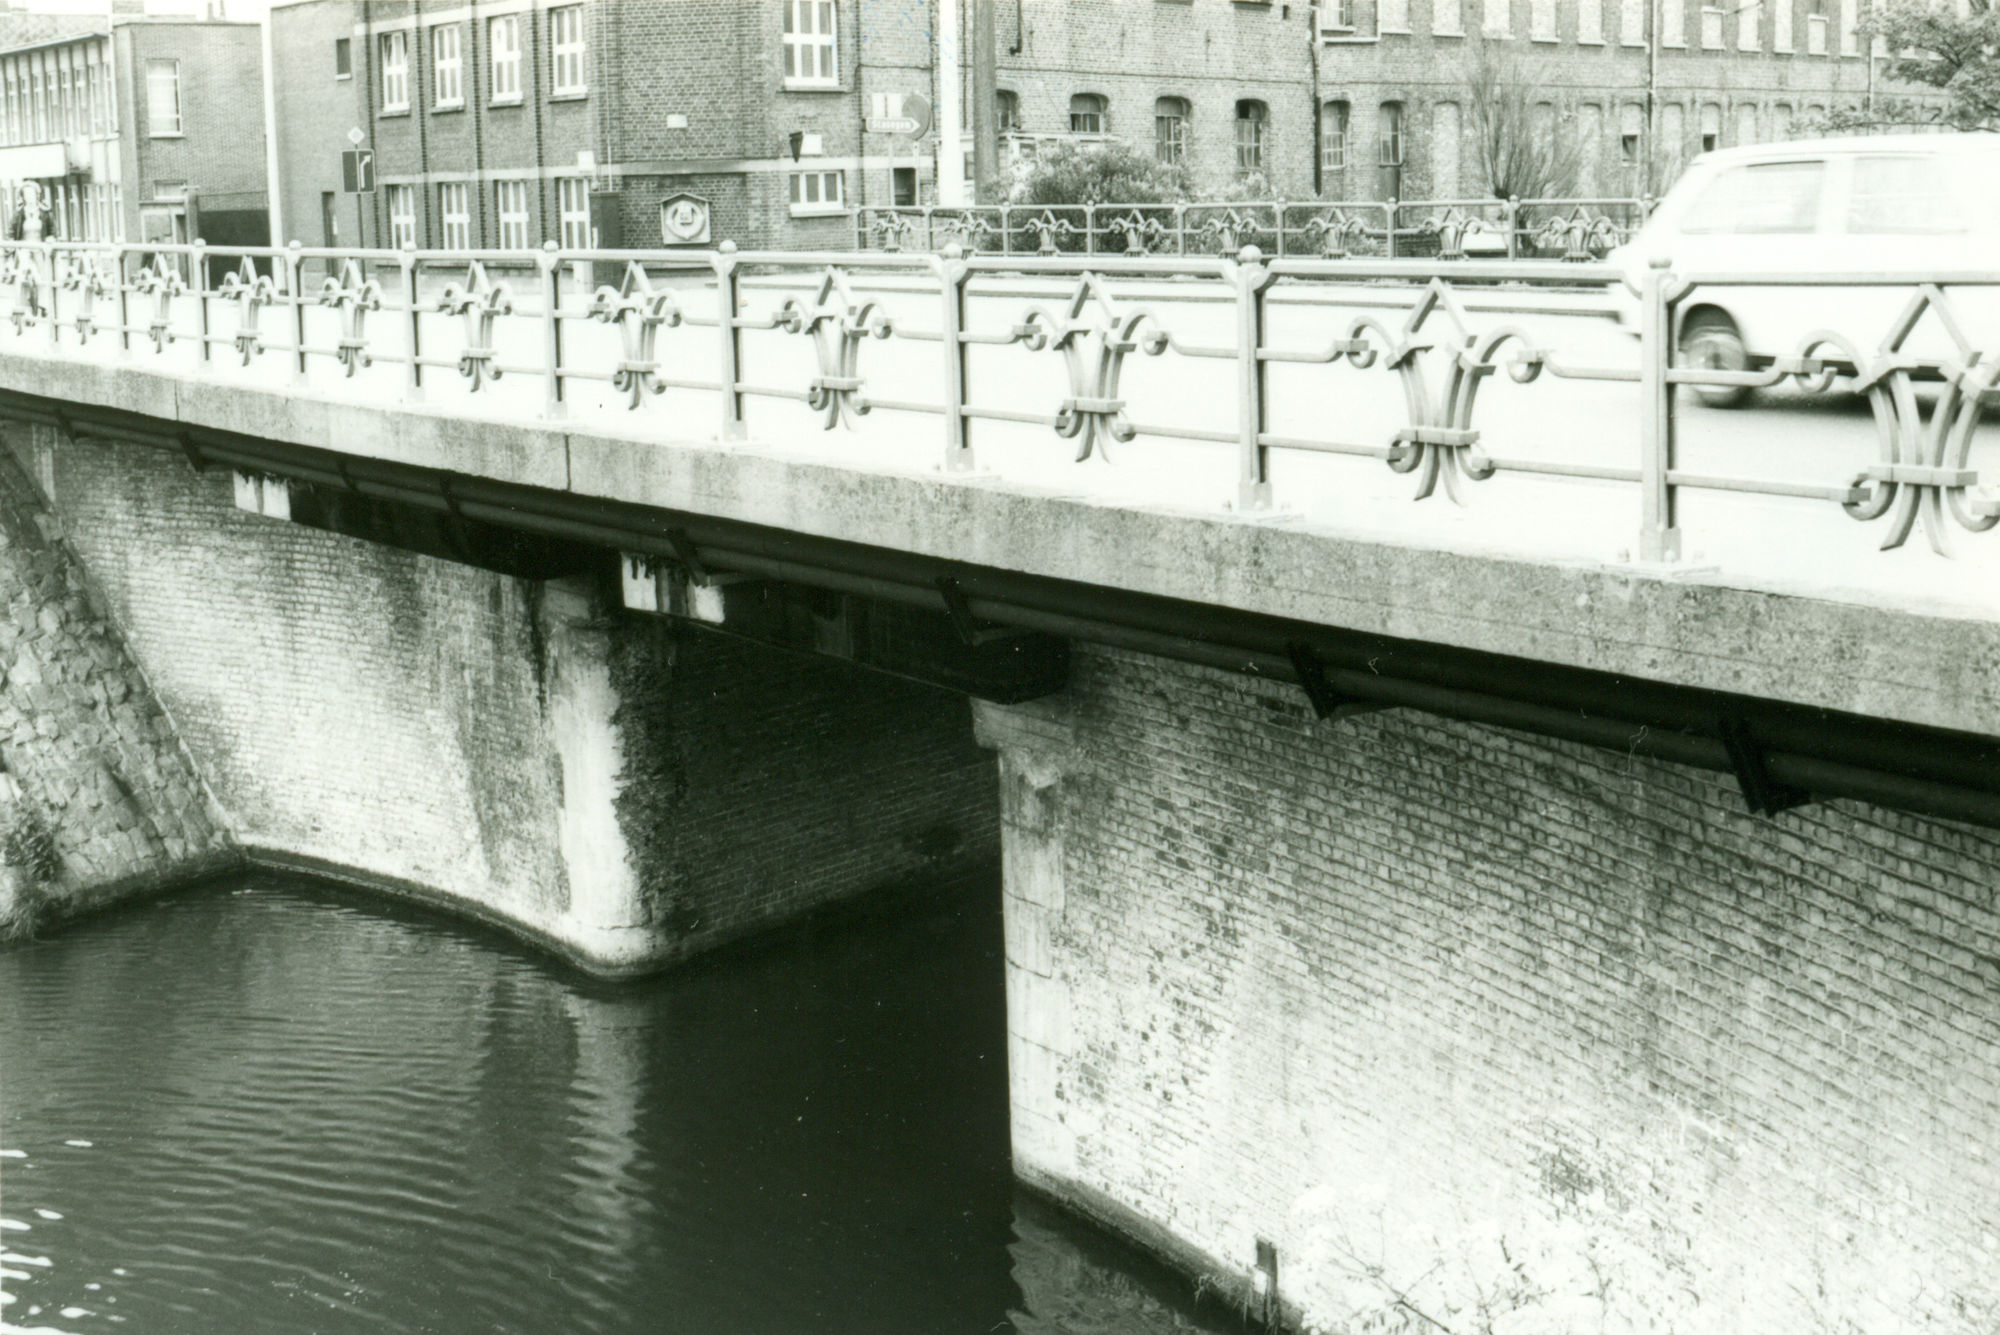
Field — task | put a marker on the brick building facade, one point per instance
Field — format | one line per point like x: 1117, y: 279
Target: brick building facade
x: 136, y: 130
x: 508, y: 123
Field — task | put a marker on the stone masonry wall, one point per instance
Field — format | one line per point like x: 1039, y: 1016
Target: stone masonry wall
x: 1517, y: 1035
x: 622, y: 790
x: 87, y: 758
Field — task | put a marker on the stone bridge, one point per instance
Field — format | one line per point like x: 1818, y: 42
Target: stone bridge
x: 1486, y: 845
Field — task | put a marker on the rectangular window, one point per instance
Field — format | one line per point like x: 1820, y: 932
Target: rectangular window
x: 566, y: 51
x: 1673, y: 23
x: 402, y: 216
x: 510, y: 202
x: 455, y: 215
x: 1816, y: 29
x: 1590, y: 22
x: 1746, y: 24
x: 1712, y: 17
x: 1336, y: 17
x: 1392, y: 16
x: 1448, y: 18
x: 573, y: 208
x: 1850, y: 28
x: 163, y: 97
x: 1391, y: 143
x: 817, y: 192
x: 343, y: 57
x: 1170, y: 131
x: 811, y: 44
x: 1781, y: 26
x: 1250, y: 117
x: 395, y: 71
x: 503, y: 39
x: 1498, y: 22
x: 1542, y: 20
x: 447, y: 66
x: 1333, y: 137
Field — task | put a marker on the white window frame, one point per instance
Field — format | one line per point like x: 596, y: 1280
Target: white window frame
x: 810, y: 196
x: 1170, y: 130
x: 1816, y: 29
x: 1389, y: 130
x: 503, y: 41
x: 810, y: 33
x: 343, y: 44
x: 510, y: 205
x: 1448, y: 18
x: 573, y: 212
x: 1497, y: 19
x: 1334, y: 132
x: 569, y: 75
x: 1336, y: 17
x: 1590, y: 22
x: 1850, y: 28
x: 403, y: 217
x: 1392, y: 16
x: 454, y: 215
x: 1781, y: 26
x: 158, y: 125
x: 1251, y: 133
x: 1673, y: 23
x: 1541, y: 20
x: 1714, y: 22
x: 1086, y: 108
x: 395, y: 51
x: 447, y: 65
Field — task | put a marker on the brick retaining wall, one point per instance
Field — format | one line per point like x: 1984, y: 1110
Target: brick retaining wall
x: 1520, y: 1033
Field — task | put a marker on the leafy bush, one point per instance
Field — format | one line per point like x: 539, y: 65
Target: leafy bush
x: 1110, y: 172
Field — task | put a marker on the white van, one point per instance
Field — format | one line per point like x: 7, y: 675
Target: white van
x: 1914, y: 205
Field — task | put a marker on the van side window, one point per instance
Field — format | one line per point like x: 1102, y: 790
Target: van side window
x: 1761, y: 198
x: 1904, y: 194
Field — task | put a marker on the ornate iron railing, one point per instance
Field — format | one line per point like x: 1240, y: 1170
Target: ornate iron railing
x: 1569, y: 229
x: 1266, y: 356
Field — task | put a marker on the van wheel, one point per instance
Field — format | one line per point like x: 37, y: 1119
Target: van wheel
x: 1710, y: 341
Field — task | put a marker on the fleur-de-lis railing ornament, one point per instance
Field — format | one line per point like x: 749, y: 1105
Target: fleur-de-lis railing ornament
x: 838, y: 323
x: 251, y: 292
x: 1094, y: 336
x: 1924, y: 472
x: 353, y: 295
x: 1141, y: 233
x: 479, y: 300
x: 1226, y: 230
x: 1583, y: 235
x: 160, y: 279
x: 1046, y: 227
x: 639, y: 311
x: 84, y: 276
x: 1335, y: 231
x: 1450, y: 229
x: 967, y: 228
x: 893, y: 230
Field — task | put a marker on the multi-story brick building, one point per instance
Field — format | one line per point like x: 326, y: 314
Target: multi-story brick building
x: 508, y: 123
x: 138, y: 128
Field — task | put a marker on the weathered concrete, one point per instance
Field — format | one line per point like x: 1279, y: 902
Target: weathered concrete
x: 1938, y: 667
x: 98, y: 801
x: 1526, y: 1036
x: 623, y: 791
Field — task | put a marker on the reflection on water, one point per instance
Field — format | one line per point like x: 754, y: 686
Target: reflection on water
x: 272, y: 1107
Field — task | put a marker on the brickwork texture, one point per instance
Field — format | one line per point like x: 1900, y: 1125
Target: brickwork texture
x: 97, y: 798
x: 428, y: 728
x: 1514, y: 1034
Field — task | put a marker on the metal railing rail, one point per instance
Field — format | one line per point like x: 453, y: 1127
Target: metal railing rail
x: 445, y: 320
x: 1576, y: 229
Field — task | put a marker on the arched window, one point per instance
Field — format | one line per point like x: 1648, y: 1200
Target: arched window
x: 1333, y: 120
x: 1251, y: 117
x: 1390, y: 142
x: 1711, y: 127
x: 1006, y: 111
x: 1170, y: 129
x: 1089, y: 113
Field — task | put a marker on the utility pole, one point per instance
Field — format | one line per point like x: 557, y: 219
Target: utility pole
x: 985, y: 108
x: 950, y: 140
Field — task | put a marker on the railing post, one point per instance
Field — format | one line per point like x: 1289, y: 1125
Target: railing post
x: 54, y: 288
x: 198, y: 280
x: 1659, y: 536
x: 1006, y: 229
x: 1253, y: 489
x: 124, y: 305
x: 1180, y: 227
x: 551, y: 274
x: 295, y: 278
x: 406, y: 261
x: 1389, y: 230
x: 1280, y: 207
x: 952, y: 273
x: 1090, y: 229
x: 1513, y: 227
x: 728, y: 294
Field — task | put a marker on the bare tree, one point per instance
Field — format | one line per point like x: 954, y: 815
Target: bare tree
x: 1525, y: 145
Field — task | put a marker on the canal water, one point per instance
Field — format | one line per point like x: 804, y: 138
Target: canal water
x: 273, y: 1105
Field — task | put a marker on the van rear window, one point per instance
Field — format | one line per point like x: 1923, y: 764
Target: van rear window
x: 1906, y: 193
x: 1762, y: 198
